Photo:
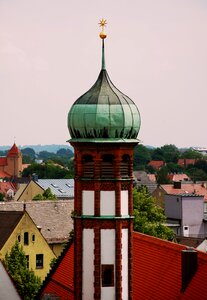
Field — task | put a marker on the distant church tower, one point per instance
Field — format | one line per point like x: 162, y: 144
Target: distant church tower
x: 103, y: 124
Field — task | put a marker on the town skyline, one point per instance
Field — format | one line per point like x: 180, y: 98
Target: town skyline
x: 155, y: 54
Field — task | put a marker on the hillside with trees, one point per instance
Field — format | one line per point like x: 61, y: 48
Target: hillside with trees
x: 170, y: 155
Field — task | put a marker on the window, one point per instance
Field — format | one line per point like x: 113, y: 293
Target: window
x: 27, y: 257
x: 39, y: 261
x: 107, y: 275
x: 124, y: 166
x: 26, y: 238
x: 88, y: 166
x: 19, y: 238
x: 107, y: 165
x: 33, y: 238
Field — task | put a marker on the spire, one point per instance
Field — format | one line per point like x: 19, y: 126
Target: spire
x: 102, y: 35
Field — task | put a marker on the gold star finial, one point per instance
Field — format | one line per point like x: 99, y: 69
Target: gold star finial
x: 102, y: 24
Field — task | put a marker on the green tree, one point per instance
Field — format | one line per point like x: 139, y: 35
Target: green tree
x: 196, y: 174
x: 162, y: 175
x: 26, y: 281
x: 1, y: 197
x: 157, y: 154
x: 141, y: 157
x: 47, y: 195
x: 149, y: 218
x: 190, y: 153
x: 47, y: 171
x: 29, y: 152
x: 170, y: 153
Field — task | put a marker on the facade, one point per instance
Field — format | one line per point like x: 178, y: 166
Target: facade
x: 179, y: 188
x: 18, y: 226
x: 103, y: 124
x: 51, y: 217
x: 185, y: 214
x: 11, y: 165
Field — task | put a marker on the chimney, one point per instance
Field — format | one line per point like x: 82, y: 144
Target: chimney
x: 189, y: 263
x: 177, y: 184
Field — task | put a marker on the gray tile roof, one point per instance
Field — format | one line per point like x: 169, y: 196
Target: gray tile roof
x: 62, y: 188
x: 52, y: 216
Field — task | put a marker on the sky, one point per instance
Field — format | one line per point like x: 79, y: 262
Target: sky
x: 156, y: 53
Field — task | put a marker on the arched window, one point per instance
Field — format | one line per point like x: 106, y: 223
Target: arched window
x: 107, y: 166
x: 88, y: 166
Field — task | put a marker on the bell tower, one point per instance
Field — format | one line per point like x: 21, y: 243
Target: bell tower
x: 103, y: 124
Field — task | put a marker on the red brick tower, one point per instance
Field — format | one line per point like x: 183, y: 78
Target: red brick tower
x: 103, y: 124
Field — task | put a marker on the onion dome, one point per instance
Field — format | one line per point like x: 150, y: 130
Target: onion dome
x: 103, y: 112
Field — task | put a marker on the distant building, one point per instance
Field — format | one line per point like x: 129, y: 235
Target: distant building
x: 61, y: 188
x: 52, y: 217
x: 156, y: 164
x: 18, y: 226
x: 11, y: 165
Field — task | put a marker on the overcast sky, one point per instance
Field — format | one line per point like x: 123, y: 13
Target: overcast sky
x: 156, y: 53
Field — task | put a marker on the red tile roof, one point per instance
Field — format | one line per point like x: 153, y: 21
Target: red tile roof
x: 156, y: 272
x: 186, y: 161
x: 5, y: 186
x: 60, y: 280
x: 4, y: 174
x: 178, y: 177
x: 13, y: 151
x: 186, y: 188
x: 156, y: 164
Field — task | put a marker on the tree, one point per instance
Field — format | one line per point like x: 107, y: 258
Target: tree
x: 190, y: 153
x: 170, y: 153
x: 47, y: 195
x: 149, y: 218
x: 196, y: 174
x: 26, y: 281
x: 29, y: 152
x: 47, y: 171
x: 141, y: 157
x: 162, y: 175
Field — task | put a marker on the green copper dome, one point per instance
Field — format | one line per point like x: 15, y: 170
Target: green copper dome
x: 104, y: 112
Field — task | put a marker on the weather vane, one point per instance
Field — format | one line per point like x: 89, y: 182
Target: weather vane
x: 102, y: 24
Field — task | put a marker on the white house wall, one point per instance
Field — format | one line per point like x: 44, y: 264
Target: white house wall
x: 88, y: 264
x: 88, y: 203
x: 125, y: 269
x: 108, y: 257
x: 107, y: 203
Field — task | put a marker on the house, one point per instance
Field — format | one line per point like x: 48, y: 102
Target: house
x: 51, y: 217
x: 143, y: 178
x: 156, y: 164
x: 19, y: 226
x: 61, y: 188
x: 161, y: 270
x: 8, y: 290
x: 179, y: 188
x: 184, y: 162
x: 179, y: 177
x: 185, y: 214
x: 11, y: 164
x: 8, y: 189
